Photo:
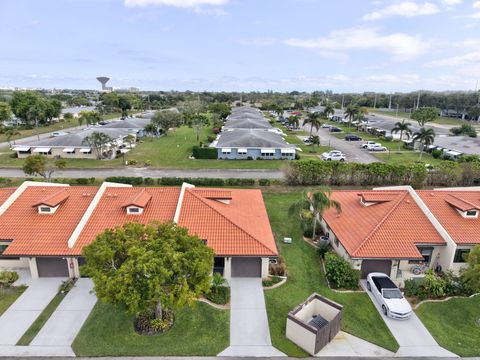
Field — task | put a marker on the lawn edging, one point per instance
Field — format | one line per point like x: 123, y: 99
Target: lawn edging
x: 212, y: 304
x: 416, y: 306
x: 274, y: 286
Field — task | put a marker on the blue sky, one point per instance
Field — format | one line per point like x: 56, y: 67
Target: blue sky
x: 354, y: 45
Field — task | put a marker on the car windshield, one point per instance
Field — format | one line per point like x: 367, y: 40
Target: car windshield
x: 392, y: 294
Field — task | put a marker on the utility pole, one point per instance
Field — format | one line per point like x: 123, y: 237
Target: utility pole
x: 396, y: 114
x: 343, y: 100
x: 375, y: 102
x: 418, y: 100
x: 390, y: 103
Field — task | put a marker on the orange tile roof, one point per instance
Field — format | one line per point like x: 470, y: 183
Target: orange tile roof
x: 213, y: 193
x: 377, y: 196
x: 462, y: 230
x: 390, y: 229
x: 5, y: 194
x: 140, y: 199
x: 43, y: 234
x: 54, y: 199
x: 460, y: 204
x: 238, y: 228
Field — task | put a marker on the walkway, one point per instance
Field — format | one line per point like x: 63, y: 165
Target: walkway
x: 25, y: 310
x: 155, y: 173
x: 249, y: 331
x: 345, y: 344
x: 67, y: 320
x: 412, y: 336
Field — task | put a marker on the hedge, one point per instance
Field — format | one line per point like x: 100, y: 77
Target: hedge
x: 204, y: 153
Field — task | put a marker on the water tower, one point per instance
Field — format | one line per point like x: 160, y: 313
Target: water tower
x: 103, y: 80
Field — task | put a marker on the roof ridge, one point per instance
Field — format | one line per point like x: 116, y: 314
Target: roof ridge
x: 387, y: 215
x: 229, y: 220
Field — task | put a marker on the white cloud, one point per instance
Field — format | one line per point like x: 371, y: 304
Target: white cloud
x: 465, y: 59
x: 452, y: 2
x: 404, y: 8
x: 400, y: 46
x: 476, y: 5
x: 186, y: 4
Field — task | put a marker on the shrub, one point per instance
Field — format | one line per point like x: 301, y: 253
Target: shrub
x: 7, y: 278
x: 204, y: 153
x: 240, y: 182
x: 132, y: 162
x: 264, y: 182
x: 412, y: 288
x: 66, y: 286
x: 125, y: 180
x: 278, y: 269
x: 437, y: 153
x: 433, y: 285
x: 271, y: 280
x: 219, y: 295
x: 211, y: 138
x: 339, y: 272
x: 148, y: 181
x: 464, y: 129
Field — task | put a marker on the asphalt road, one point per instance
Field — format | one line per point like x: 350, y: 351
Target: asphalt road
x: 351, y: 149
x: 156, y: 173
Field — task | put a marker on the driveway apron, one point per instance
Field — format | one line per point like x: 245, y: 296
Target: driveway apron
x: 25, y: 310
x: 67, y: 320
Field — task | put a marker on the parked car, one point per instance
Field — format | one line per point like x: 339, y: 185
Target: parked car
x: 366, y: 143
x: 389, y: 296
x: 376, y: 147
x: 335, y: 129
x: 307, y: 140
x: 59, y: 133
x: 333, y: 155
x: 351, y: 137
x: 326, y: 126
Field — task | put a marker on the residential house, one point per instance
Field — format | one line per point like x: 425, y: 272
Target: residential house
x: 44, y: 226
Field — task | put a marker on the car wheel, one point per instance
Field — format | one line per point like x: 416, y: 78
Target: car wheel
x: 384, y: 309
x: 342, y: 160
x: 329, y: 159
x: 368, y: 286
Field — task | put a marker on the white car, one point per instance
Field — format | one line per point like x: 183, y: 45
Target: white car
x: 389, y: 296
x: 333, y: 155
x: 59, y: 133
x: 366, y: 143
x: 326, y: 126
x: 376, y: 147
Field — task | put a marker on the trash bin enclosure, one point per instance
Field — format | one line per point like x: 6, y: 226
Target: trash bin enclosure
x: 314, y: 323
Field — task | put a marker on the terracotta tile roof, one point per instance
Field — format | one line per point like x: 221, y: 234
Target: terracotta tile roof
x: 43, y: 234
x: 238, y: 228
x: 213, y: 193
x: 462, y: 230
x: 54, y: 199
x: 140, y: 199
x: 5, y: 194
x: 389, y: 229
x: 377, y: 196
x: 459, y: 203
x: 110, y: 211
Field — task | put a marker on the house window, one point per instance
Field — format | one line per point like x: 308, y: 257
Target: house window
x: 134, y: 210
x: 461, y: 255
x: 471, y: 213
x: 3, y: 246
x: 45, y: 209
x: 337, y: 243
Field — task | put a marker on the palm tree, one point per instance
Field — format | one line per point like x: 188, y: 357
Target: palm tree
x: 402, y: 127
x: 351, y: 113
x: 329, y: 109
x: 314, y: 120
x: 294, y: 121
x: 315, y: 141
x: 313, y: 205
x: 425, y: 137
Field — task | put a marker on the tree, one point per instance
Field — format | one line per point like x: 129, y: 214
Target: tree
x: 42, y: 166
x: 148, y: 268
x: 402, y: 128
x: 425, y: 137
x: 68, y: 116
x: 151, y: 129
x: 471, y: 275
x: 110, y: 102
x: 125, y: 104
x: 222, y: 109
x: 315, y: 141
x: 53, y: 109
x: 329, y: 109
x: 351, y: 113
x: 313, y: 119
x: 88, y: 117
x: 36, y: 113
x: 98, y: 142
x: 313, y: 205
x: 5, y: 112
x: 22, y: 102
x: 198, y: 122
x: 166, y: 119
x: 425, y: 114
x: 10, y: 132
x: 294, y: 121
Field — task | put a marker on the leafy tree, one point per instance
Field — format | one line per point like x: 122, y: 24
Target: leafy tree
x: 198, y: 122
x: 425, y: 137
x: 402, y: 128
x: 222, y: 109
x: 53, y: 109
x: 148, y: 268
x: 10, y: 132
x: 42, y: 166
x: 471, y: 275
x: 98, y: 142
x: 5, y: 112
x: 425, y: 114
x: 68, y: 116
x: 166, y: 119
x: 109, y: 102
x: 313, y: 205
x: 22, y: 102
x: 124, y: 104
x: 35, y: 114
x: 314, y: 120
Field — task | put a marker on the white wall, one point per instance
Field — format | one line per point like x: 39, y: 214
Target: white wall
x: 301, y: 336
x: 21, y: 263
x: 265, y: 266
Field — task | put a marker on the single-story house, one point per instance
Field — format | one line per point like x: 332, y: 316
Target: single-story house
x: 392, y: 229
x: 72, y: 145
x: 253, y: 144
x: 44, y: 226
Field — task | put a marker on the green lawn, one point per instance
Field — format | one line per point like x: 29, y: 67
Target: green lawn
x: 455, y: 324
x: 108, y: 331
x: 9, y: 295
x: 305, y: 277
x: 37, y: 325
x: 405, y: 115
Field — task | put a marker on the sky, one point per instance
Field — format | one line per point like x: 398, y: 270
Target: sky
x: 241, y: 45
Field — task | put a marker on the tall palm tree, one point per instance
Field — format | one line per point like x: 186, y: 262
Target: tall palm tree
x: 351, y: 113
x: 425, y: 137
x: 294, y: 121
x: 313, y: 205
x: 402, y: 128
x: 329, y: 109
x: 314, y: 120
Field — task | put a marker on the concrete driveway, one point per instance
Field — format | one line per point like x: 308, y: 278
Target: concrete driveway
x: 67, y: 320
x: 412, y: 336
x: 249, y: 331
x: 25, y: 310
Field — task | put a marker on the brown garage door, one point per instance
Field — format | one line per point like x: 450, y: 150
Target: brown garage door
x: 369, y: 266
x: 52, y: 267
x: 246, y: 267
